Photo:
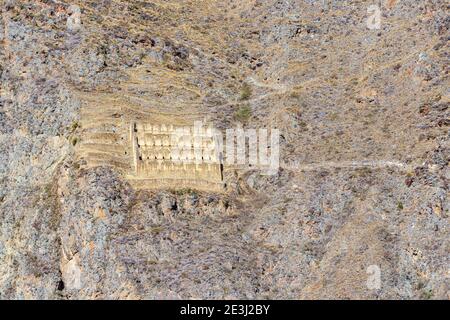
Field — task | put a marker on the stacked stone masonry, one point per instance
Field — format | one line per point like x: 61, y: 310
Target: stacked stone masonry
x: 174, y: 156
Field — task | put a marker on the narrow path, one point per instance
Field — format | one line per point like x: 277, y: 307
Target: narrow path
x: 330, y: 165
x: 357, y: 164
x: 281, y: 88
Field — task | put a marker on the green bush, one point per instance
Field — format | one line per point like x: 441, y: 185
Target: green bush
x: 74, y: 126
x: 246, y: 91
x: 243, y: 114
x: 74, y: 141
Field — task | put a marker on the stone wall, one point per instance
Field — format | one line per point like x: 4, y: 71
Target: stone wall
x: 174, y: 156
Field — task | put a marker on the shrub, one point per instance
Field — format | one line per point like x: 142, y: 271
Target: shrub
x: 74, y: 126
x: 246, y: 91
x: 427, y: 294
x: 243, y: 114
x: 74, y: 141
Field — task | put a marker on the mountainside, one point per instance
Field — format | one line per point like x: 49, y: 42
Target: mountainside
x: 364, y: 171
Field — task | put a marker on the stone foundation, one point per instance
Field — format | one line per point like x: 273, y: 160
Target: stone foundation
x: 152, y: 150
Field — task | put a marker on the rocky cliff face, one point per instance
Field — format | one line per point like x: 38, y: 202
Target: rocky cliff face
x: 364, y: 121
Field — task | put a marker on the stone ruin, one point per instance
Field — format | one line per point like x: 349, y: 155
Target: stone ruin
x: 151, y: 149
x: 167, y: 156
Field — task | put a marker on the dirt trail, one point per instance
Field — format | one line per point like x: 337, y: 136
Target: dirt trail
x: 356, y: 164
